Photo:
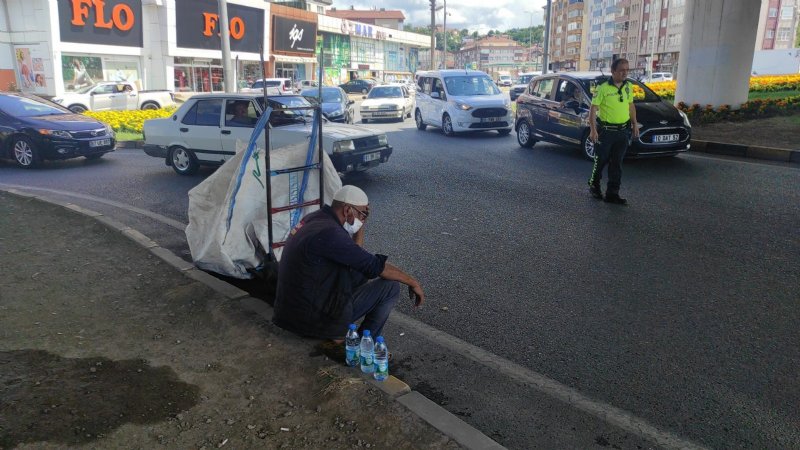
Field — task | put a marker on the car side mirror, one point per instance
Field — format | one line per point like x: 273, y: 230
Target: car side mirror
x: 350, y: 102
x: 435, y: 95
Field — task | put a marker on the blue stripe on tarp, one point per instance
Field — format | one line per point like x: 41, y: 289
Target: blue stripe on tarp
x: 248, y: 153
x: 295, y: 217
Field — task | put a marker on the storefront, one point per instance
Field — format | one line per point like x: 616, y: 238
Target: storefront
x: 335, y: 49
x: 294, y: 40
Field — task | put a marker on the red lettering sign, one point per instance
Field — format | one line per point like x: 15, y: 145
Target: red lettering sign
x: 122, y: 17
x: 235, y: 29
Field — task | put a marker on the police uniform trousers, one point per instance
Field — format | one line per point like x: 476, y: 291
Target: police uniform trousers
x: 610, y: 150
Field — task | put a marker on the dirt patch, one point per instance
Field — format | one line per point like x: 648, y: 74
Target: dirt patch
x: 103, y: 345
x: 777, y: 132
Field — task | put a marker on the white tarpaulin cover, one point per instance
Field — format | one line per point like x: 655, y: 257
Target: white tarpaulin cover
x: 227, y: 230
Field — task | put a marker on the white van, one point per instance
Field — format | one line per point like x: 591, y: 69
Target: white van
x: 461, y: 100
x: 655, y: 77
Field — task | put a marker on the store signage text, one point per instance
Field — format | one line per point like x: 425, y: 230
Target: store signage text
x: 235, y: 27
x: 362, y: 30
x: 198, y: 26
x: 294, y: 36
x: 110, y: 22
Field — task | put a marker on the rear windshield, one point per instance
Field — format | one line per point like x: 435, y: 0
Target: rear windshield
x: 328, y: 95
x: 385, y: 92
x: 641, y: 93
x: 270, y: 83
x: 525, y: 79
x: 471, y: 85
x: 17, y: 106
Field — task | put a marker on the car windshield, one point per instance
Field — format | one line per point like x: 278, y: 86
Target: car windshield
x: 280, y: 117
x: 17, y: 106
x: 86, y: 89
x: 641, y: 93
x: 385, y: 92
x: 525, y: 79
x: 471, y: 85
x: 260, y: 84
x: 328, y: 95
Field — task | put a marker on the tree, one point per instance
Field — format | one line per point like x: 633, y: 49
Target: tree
x: 491, y: 33
x: 475, y: 35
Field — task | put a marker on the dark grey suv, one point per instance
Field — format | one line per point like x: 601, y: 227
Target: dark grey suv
x: 546, y: 112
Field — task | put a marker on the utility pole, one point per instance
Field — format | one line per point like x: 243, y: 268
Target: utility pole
x: 654, y: 35
x: 225, y: 37
x: 433, y: 34
x: 444, y: 29
x: 545, y: 58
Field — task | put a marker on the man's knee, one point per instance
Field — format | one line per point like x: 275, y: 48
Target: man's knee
x: 392, y: 289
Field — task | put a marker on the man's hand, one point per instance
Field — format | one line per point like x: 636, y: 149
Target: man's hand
x: 593, y: 136
x: 415, y: 293
x: 635, y: 131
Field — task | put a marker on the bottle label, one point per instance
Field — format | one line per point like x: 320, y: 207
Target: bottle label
x: 351, y: 354
x: 366, y: 360
x: 382, y: 367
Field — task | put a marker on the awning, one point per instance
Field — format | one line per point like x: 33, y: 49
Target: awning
x: 294, y: 59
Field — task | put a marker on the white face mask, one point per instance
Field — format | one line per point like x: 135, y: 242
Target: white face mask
x: 354, y: 227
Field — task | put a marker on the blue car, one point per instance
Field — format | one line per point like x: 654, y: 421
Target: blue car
x: 33, y: 130
x: 336, y: 107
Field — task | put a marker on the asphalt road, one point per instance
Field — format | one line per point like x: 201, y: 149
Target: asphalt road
x: 678, y: 312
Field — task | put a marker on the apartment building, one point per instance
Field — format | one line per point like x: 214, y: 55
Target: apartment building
x: 492, y: 54
x: 777, y: 25
x: 567, y: 35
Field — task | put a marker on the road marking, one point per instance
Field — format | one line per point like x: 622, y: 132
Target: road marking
x: 611, y: 414
x: 155, y: 216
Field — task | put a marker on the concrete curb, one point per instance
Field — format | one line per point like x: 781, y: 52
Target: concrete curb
x: 438, y: 417
x: 130, y: 144
x: 746, y: 151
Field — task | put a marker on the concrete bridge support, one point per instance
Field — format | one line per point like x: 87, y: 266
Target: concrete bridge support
x: 717, y: 51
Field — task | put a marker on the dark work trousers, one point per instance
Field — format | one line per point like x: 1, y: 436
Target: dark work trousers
x: 374, y: 301
x: 610, y: 150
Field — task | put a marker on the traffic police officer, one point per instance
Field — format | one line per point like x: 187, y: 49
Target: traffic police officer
x: 612, y: 120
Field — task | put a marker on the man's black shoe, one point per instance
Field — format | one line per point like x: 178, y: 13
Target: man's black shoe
x: 596, y: 192
x: 616, y: 199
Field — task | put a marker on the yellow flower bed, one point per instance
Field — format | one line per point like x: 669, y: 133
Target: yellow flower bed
x: 757, y: 84
x: 132, y: 121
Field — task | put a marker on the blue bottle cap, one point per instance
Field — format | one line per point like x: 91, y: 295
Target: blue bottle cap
x: 379, y: 339
x: 366, y: 333
x: 352, y: 326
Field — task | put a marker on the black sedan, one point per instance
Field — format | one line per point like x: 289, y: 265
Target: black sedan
x: 555, y: 108
x: 357, y: 86
x: 336, y: 107
x: 33, y: 130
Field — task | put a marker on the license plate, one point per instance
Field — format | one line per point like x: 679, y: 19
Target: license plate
x: 489, y: 119
x: 664, y: 138
x: 372, y: 156
x: 99, y: 142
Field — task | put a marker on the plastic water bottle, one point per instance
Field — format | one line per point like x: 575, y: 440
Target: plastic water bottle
x: 351, y: 344
x: 367, y: 353
x: 381, y: 360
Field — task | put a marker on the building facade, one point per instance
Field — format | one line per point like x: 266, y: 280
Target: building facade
x: 54, y: 46
x: 777, y: 25
x: 567, y: 46
x: 381, y: 17
x: 493, y: 55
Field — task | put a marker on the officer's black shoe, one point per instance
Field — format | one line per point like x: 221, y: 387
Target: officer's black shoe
x: 615, y: 199
x: 596, y: 192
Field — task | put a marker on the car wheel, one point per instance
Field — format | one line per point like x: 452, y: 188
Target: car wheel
x: 364, y: 91
x: 588, y: 147
x: 77, y: 109
x: 524, y: 136
x: 447, y: 125
x: 364, y: 120
x: 418, y: 118
x: 150, y: 106
x: 183, y: 161
x: 25, y: 155
x: 505, y: 132
x: 94, y: 157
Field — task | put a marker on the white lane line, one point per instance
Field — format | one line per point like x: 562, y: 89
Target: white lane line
x: 155, y: 216
x: 611, y: 414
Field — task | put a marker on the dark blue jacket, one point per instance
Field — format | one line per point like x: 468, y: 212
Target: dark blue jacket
x: 320, y: 268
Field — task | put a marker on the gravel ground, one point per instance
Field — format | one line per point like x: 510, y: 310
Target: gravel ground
x: 103, y: 345
x: 777, y: 132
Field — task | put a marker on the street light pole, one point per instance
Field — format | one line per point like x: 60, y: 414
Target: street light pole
x: 546, y: 37
x: 433, y: 34
x: 444, y: 30
x: 227, y: 67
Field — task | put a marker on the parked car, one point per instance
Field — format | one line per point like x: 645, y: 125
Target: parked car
x: 284, y: 85
x: 205, y: 129
x: 335, y: 105
x: 33, y: 129
x: 544, y: 113
x: 305, y: 84
x: 461, y: 100
x: 357, y: 86
x: 504, y: 80
x: 655, y: 77
x: 113, y: 95
x: 522, y: 83
x: 389, y: 101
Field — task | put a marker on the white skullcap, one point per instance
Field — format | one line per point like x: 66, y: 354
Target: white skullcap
x: 351, y: 195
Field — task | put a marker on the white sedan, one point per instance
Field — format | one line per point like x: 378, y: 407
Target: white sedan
x: 205, y: 130
x: 389, y: 101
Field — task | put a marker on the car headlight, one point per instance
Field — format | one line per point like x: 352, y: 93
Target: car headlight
x: 507, y: 103
x: 343, y: 146
x: 109, y: 130
x: 56, y: 133
x: 685, y: 118
x: 336, y: 112
x: 57, y: 100
x: 382, y: 140
x: 463, y: 106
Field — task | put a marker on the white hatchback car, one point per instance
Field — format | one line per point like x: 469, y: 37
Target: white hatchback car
x: 388, y: 101
x: 461, y: 100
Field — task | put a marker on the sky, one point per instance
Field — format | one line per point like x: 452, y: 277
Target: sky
x: 475, y: 15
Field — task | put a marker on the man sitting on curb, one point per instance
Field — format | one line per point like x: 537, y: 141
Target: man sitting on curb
x: 326, y: 280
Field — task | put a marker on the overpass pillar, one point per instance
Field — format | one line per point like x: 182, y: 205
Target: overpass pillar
x: 717, y: 51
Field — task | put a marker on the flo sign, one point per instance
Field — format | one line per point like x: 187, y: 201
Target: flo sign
x: 293, y: 36
x: 110, y: 22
